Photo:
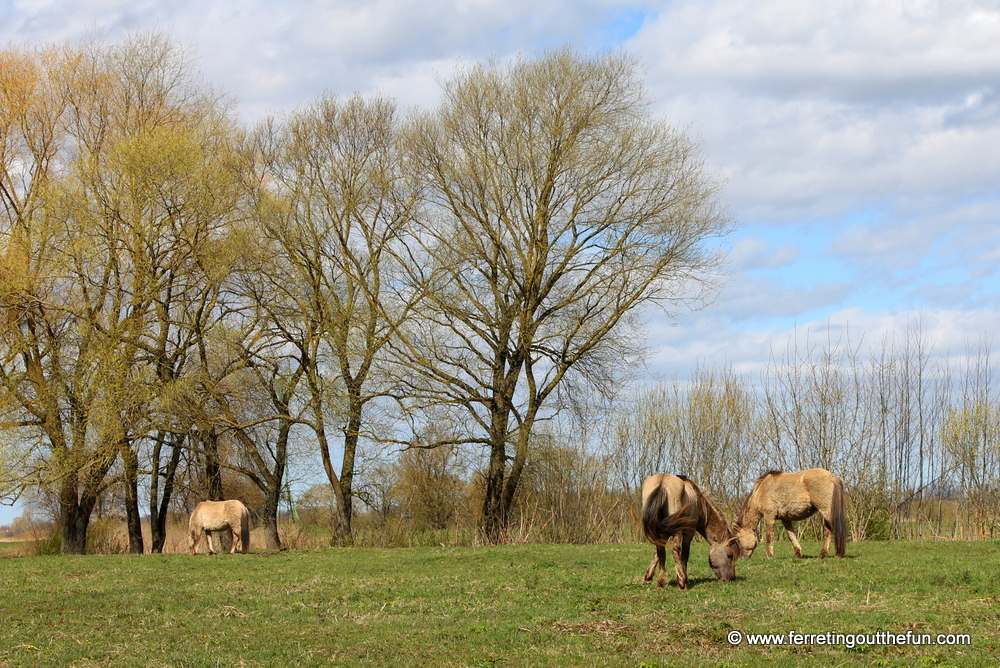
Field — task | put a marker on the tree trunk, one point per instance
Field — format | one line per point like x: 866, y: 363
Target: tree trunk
x: 74, y: 517
x: 73, y: 523
x: 133, y: 520
x: 213, y: 469
x: 76, y: 504
x: 269, y: 518
x: 493, y: 524
x: 74, y: 531
x: 158, y: 507
x: 342, y: 519
x: 272, y: 496
x: 347, y: 468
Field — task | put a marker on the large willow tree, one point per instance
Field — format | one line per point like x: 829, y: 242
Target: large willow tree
x: 557, y: 208
x: 114, y: 186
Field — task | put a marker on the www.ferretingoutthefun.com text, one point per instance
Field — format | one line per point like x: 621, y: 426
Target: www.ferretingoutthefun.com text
x: 849, y: 640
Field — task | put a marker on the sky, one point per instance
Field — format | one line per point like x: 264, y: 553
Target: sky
x: 859, y: 140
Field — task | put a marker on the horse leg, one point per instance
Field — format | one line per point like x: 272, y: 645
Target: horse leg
x: 651, y: 571
x: 660, y: 559
x: 790, y: 529
x: 686, y: 554
x: 208, y: 537
x: 682, y: 549
x: 827, y: 535
x: 235, y: 531
x: 194, y: 537
x: 769, y: 536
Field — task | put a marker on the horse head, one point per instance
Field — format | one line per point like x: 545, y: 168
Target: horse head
x: 722, y: 557
x: 747, y: 538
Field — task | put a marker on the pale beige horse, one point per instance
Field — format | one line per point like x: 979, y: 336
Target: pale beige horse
x: 791, y: 497
x: 673, y: 509
x: 216, y: 517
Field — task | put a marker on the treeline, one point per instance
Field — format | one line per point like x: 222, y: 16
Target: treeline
x: 914, y: 432
x: 190, y: 304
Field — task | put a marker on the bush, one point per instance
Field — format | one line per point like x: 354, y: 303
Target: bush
x: 107, y: 535
x: 46, y: 544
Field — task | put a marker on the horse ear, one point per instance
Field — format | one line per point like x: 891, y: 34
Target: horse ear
x: 734, y: 543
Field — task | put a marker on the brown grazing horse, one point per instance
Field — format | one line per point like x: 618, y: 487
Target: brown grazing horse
x: 791, y: 497
x: 219, y: 516
x: 673, y: 509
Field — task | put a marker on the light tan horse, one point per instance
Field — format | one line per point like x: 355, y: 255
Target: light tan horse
x: 673, y: 509
x: 791, y: 497
x: 219, y: 516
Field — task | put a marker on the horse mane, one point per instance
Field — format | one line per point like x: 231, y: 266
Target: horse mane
x: 711, y: 518
x: 753, y: 493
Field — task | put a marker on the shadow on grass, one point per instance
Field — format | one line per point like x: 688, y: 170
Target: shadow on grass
x: 694, y: 582
x: 791, y: 557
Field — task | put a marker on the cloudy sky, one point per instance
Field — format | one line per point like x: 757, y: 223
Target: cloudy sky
x: 859, y: 140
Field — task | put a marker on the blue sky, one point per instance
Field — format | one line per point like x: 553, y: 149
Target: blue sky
x: 858, y: 140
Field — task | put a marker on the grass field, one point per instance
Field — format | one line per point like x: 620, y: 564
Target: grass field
x: 516, y: 606
x: 10, y: 547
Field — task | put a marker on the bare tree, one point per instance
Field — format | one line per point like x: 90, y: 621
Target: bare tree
x: 556, y: 209
x: 970, y: 437
x: 331, y: 202
x: 700, y: 428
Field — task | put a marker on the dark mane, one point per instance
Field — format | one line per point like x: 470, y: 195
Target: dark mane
x: 711, y: 518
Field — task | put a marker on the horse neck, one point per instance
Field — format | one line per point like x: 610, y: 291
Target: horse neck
x: 716, y: 527
x: 750, y: 514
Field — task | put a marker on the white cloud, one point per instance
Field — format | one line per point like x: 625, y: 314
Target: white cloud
x: 766, y: 298
x: 280, y: 55
x: 939, y: 255
x: 874, y: 121
x: 705, y: 338
x: 863, y: 49
x: 752, y: 253
x: 818, y: 108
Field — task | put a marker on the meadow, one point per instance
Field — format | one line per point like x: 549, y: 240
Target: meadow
x: 515, y: 605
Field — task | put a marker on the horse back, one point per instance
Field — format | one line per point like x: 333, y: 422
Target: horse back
x: 819, y: 482
x: 215, y: 515
x: 797, y: 495
x: 678, y: 492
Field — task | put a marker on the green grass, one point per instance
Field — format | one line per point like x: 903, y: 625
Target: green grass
x: 13, y: 547
x: 516, y: 606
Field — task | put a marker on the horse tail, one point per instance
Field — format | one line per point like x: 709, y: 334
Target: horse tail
x: 658, y: 529
x: 245, y: 530
x: 839, y: 517
x: 651, y: 512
